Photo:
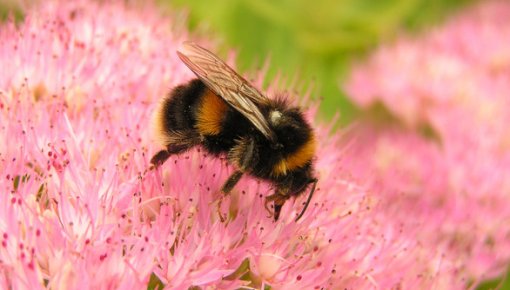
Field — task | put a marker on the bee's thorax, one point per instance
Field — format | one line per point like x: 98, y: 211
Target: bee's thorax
x: 275, y: 117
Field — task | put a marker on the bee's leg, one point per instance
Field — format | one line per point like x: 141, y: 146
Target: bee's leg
x: 181, y: 141
x: 242, y: 154
x: 160, y: 158
x: 226, y: 188
x: 278, y: 198
x: 231, y: 182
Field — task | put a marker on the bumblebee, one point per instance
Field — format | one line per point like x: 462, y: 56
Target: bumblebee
x: 223, y: 113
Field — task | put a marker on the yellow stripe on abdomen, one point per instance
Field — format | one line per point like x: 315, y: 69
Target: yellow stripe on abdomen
x: 210, y: 115
x: 296, y: 159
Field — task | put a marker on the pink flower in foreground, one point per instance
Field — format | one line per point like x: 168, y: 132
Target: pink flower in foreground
x: 77, y: 85
x: 454, y: 186
x: 81, y: 210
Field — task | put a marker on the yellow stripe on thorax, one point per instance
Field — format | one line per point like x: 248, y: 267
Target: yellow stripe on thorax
x: 210, y: 114
x: 297, y: 159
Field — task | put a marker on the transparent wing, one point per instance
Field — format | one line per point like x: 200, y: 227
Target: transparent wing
x: 226, y: 83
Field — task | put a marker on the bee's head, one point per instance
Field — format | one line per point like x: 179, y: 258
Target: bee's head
x: 279, y: 199
x: 290, y: 127
x: 294, y: 145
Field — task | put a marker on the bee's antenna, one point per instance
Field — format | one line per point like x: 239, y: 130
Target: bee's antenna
x: 314, y: 181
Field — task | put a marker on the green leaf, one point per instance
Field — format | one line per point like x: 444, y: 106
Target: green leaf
x: 155, y: 283
x: 500, y: 283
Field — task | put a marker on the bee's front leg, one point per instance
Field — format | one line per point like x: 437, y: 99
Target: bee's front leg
x: 278, y: 198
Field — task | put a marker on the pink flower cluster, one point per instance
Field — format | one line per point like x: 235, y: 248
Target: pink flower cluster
x: 80, y: 209
x: 452, y: 180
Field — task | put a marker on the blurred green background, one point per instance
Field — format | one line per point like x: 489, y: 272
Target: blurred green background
x: 315, y: 40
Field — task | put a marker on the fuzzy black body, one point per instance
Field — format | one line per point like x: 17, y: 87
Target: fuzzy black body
x: 192, y: 115
x: 181, y: 110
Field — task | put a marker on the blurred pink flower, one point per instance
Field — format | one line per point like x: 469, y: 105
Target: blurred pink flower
x: 452, y: 182
x: 80, y: 209
x: 455, y: 77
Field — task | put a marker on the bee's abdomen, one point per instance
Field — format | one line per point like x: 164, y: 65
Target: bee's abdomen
x: 176, y: 112
x: 210, y: 114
